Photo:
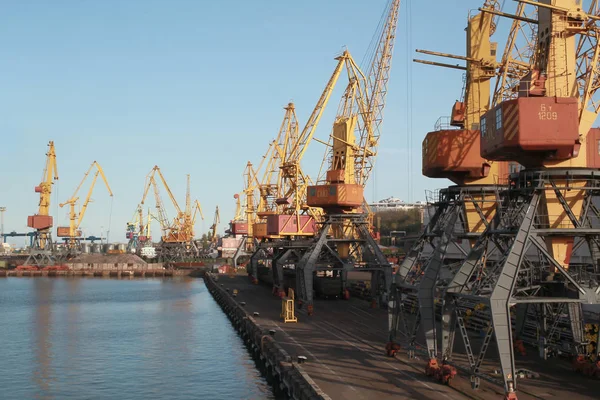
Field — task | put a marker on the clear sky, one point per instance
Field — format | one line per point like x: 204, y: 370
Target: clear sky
x: 199, y: 87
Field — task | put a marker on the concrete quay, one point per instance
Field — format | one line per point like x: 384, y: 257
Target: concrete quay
x: 344, y: 343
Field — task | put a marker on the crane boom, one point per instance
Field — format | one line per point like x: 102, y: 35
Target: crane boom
x: 164, y: 182
x: 87, y: 200
x: 299, y: 147
x: 162, y: 216
x: 197, y: 208
x: 355, y: 138
x: 377, y: 83
x: 188, y: 198
x: 293, y: 183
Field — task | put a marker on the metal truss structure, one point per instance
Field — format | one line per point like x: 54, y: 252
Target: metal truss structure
x: 43, y: 251
x: 512, y: 267
x: 461, y: 214
x: 343, y: 244
x: 168, y: 252
x: 277, y: 255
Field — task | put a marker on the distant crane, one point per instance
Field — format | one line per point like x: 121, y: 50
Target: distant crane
x: 72, y: 232
x: 42, y: 250
x: 138, y: 230
x: 213, y: 228
x: 177, y: 240
x: 30, y: 235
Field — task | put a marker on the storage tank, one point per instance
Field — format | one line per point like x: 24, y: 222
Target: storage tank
x: 108, y: 247
x: 95, y: 248
x: 85, y: 247
x: 122, y: 248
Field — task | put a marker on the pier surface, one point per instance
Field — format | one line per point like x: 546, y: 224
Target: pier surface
x: 344, y: 342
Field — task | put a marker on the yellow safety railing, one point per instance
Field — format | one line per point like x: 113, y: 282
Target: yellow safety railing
x: 288, y: 312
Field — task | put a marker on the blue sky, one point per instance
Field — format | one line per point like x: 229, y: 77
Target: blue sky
x: 199, y: 87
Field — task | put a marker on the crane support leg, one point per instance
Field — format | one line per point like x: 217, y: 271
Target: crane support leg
x: 426, y: 290
x: 277, y: 266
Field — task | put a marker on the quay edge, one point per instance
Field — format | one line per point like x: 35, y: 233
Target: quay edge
x: 286, y: 376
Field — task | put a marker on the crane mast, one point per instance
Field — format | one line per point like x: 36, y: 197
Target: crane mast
x: 41, y: 252
x: 251, y: 184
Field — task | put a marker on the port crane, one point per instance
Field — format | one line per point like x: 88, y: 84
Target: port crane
x: 42, y: 250
x: 292, y: 223
x: 522, y: 262
x: 177, y: 239
x: 464, y: 210
x: 344, y: 241
x: 72, y: 233
x: 272, y: 186
x: 138, y: 230
x: 212, y: 234
x: 213, y: 227
x: 243, y: 225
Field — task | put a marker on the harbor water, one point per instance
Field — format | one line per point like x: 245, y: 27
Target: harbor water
x: 83, y: 338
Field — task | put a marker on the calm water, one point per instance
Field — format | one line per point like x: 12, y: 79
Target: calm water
x: 120, y: 339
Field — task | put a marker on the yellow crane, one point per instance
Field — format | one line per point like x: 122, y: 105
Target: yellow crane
x: 267, y: 191
x: 344, y: 234
x: 72, y: 231
x: 177, y: 239
x: 213, y: 228
x: 41, y: 250
x: 172, y: 231
x: 241, y: 226
x: 292, y: 181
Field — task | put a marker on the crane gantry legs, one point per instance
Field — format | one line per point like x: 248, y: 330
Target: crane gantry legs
x: 351, y: 249
x: 461, y: 214
x: 512, y: 267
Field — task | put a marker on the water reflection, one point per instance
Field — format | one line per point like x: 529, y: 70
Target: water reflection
x: 112, y: 339
x: 72, y: 291
x: 42, y: 325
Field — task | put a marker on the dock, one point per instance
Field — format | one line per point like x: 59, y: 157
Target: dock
x: 146, y: 273
x: 344, y: 345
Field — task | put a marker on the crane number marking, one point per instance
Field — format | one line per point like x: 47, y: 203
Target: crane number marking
x: 546, y: 113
